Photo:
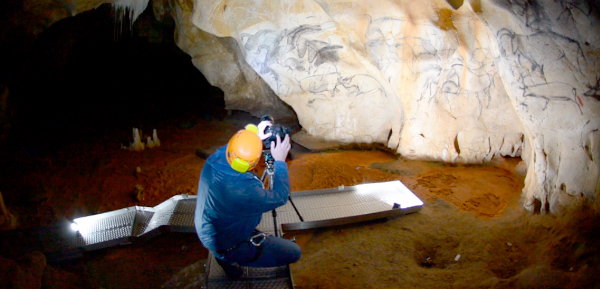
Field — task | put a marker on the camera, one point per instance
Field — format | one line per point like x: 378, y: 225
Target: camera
x: 275, y: 130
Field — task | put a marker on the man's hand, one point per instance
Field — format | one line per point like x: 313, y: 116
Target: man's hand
x: 262, y: 126
x: 280, y: 150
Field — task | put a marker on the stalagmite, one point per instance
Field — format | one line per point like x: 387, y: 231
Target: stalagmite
x: 155, y: 139
x: 138, y: 144
x: 149, y: 142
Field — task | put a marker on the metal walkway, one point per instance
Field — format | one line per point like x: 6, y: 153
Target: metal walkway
x: 319, y: 208
x: 275, y: 278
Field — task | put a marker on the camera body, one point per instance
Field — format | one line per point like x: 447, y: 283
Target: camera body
x: 275, y: 130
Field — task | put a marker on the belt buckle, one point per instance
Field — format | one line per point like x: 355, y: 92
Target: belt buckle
x: 263, y: 236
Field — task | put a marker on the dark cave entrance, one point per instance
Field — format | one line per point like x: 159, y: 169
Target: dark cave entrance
x: 85, y: 77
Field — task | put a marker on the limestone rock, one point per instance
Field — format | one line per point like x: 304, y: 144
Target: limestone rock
x: 515, y: 78
x: 548, y: 63
x: 317, y: 66
x: 219, y: 60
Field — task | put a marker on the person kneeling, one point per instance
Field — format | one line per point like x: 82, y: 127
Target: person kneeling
x: 232, y: 199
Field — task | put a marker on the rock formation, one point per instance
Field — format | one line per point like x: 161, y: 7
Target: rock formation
x: 453, y: 81
x: 8, y: 221
x: 509, y: 78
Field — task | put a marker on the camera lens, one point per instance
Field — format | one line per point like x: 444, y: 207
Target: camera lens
x: 275, y: 130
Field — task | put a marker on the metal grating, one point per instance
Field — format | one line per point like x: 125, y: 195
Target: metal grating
x: 268, y: 278
x: 267, y: 273
x: 162, y: 215
x: 106, y: 227
x: 319, y: 208
x: 334, y: 212
x: 183, y: 215
x: 106, y: 235
x: 343, y: 205
x: 285, y: 215
x: 142, y: 219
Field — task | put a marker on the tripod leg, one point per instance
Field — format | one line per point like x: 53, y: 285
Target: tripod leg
x: 295, y: 209
x: 264, y: 175
x: 276, y: 233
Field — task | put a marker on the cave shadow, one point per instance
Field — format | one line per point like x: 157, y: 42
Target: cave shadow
x: 85, y: 78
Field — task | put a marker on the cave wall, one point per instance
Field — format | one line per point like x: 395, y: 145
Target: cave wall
x: 219, y: 60
x: 491, y: 78
x: 548, y: 61
x: 457, y: 81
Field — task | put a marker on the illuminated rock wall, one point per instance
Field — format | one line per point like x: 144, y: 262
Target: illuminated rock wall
x: 548, y: 62
x: 510, y: 78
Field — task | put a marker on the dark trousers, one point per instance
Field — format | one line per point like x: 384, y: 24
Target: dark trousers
x: 274, y: 252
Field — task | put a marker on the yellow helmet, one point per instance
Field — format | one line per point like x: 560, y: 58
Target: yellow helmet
x: 244, y: 150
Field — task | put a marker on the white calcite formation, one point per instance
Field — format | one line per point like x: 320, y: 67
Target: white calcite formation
x: 138, y: 144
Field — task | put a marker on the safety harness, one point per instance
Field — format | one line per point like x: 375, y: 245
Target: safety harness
x: 256, y: 240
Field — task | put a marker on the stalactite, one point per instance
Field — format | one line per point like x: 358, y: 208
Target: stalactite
x: 132, y: 8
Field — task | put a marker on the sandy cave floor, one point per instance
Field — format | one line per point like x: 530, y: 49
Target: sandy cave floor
x: 471, y: 211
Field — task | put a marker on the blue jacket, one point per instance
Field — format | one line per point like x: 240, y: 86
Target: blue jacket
x: 230, y: 204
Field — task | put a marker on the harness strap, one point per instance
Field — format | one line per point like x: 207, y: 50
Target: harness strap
x: 223, y: 252
x: 256, y: 240
x: 259, y: 251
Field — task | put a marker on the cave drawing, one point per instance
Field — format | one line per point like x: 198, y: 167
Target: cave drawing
x: 529, y: 72
x: 312, y: 62
x: 385, y: 38
x: 594, y: 90
x: 555, y: 44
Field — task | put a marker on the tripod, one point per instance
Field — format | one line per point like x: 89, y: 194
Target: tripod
x: 269, y: 172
